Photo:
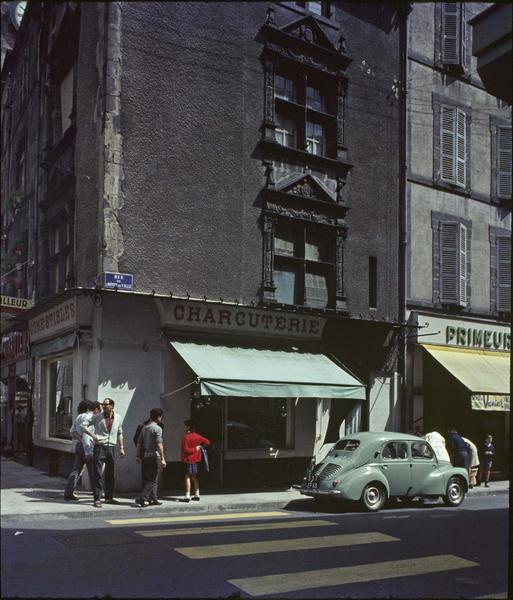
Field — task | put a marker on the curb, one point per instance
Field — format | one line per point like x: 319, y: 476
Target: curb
x: 150, y: 512
x: 167, y: 511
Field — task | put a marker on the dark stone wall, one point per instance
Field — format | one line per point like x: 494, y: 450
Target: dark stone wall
x: 87, y: 146
x: 372, y: 125
x: 192, y: 107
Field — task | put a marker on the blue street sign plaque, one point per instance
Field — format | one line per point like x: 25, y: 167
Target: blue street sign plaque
x: 122, y: 281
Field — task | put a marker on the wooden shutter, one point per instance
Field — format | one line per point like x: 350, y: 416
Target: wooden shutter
x: 461, y: 148
x: 504, y: 162
x: 451, y: 33
x: 449, y: 259
x: 504, y: 273
x: 462, y: 266
x: 447, y: 143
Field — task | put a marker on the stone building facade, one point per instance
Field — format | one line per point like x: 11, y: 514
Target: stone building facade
x: 458, y: 217
x: 211, y: 185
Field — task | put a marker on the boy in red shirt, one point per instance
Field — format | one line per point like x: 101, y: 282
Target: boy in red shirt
x: 191, y: 457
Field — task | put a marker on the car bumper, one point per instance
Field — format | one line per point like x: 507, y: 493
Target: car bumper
x: 316, y: 493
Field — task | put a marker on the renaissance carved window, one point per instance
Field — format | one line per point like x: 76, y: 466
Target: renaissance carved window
x: 303, y: 135
x: 304, y: 264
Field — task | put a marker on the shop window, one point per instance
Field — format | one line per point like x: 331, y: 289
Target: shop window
x: 59, y: 373
x: 259, y: 423
x: 304, y: 260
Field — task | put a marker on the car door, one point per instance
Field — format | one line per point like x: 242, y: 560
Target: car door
x: 395, y: 465
x: 425, y: 478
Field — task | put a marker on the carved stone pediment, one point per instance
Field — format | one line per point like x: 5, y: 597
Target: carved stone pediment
x: 308, y: 30
x: 306, y: 186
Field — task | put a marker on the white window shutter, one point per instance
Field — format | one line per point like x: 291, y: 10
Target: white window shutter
x: 504, y: 273
x: 461, y: 148
x: 449, y: 259
x: 451, y: 41
x: 447, y: 144
x: 462, y: 267
x: 504, y: 162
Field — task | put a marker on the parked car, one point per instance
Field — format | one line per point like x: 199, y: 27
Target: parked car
x: 371, y: 467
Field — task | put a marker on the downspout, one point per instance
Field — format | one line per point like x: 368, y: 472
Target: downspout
x: 403, y: 233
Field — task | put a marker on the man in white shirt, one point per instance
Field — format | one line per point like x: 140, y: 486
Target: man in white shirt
x: 83, y: 447
x: 437, y: 442
x: 108, y: 434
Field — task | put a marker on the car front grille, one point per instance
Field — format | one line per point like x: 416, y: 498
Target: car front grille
x: 330, y: 470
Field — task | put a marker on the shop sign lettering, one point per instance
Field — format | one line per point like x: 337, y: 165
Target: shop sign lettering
x: 53, y: 321
x: 15, y: 304
x: 242, y: 320
x: 472, y: 337
x: 499, y: 402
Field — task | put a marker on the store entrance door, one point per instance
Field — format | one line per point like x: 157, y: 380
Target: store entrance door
x: 208, y: 412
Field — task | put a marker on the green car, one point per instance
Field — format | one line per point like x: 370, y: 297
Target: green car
x: 371, y: 467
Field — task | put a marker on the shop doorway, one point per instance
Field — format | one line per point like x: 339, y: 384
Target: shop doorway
x: 208, y: 412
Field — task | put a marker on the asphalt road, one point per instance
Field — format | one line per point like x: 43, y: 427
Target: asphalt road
x: 419, y: 551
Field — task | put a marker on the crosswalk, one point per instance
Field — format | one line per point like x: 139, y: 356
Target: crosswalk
x: 284, y: 525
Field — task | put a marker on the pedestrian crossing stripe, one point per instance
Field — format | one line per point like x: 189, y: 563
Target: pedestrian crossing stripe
x: 303, y: 580
x: 284, y: 545
x: 236, y: 528
x: 193, y: 518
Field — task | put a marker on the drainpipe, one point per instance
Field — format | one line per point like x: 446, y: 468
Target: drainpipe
x: 403, y: 233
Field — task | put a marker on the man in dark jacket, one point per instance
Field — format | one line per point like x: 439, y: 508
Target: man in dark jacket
x: 458, y: 449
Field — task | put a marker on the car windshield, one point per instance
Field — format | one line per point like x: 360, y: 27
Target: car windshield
x: 347, y: 445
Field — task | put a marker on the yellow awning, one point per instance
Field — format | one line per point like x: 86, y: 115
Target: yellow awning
x: 481, y: 371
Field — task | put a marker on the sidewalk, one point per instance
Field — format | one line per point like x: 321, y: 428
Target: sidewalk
x: 27, y: 493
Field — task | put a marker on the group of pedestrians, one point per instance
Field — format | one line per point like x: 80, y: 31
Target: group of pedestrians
x: 462, y: 452
x: 97, y: 433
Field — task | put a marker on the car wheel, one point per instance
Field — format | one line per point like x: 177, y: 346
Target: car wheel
x: 455, y: 492
x: 373, y: 497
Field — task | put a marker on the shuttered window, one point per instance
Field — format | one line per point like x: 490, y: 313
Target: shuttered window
x: 503, y: 172
x: 453, y: 34
x: 453, y: 263
x: 504, y: 274
x: 453, y: 145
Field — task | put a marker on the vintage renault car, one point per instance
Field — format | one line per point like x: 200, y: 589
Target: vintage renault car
x: 371, y: 467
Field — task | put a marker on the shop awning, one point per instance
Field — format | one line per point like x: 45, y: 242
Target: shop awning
x: 481, y: 371
x: 252, y: 372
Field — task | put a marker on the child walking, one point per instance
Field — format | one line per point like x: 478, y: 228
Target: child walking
x: 192, y: 443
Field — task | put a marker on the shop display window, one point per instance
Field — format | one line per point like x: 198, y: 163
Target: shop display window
x: 60, y: 397
x: 258, y: 423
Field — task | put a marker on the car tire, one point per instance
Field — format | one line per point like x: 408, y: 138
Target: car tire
x: 455, y: 492
x: 373, y: 497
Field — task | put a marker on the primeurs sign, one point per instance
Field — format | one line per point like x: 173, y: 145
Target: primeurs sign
x: 463, y: 334
x: 240, y: 320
